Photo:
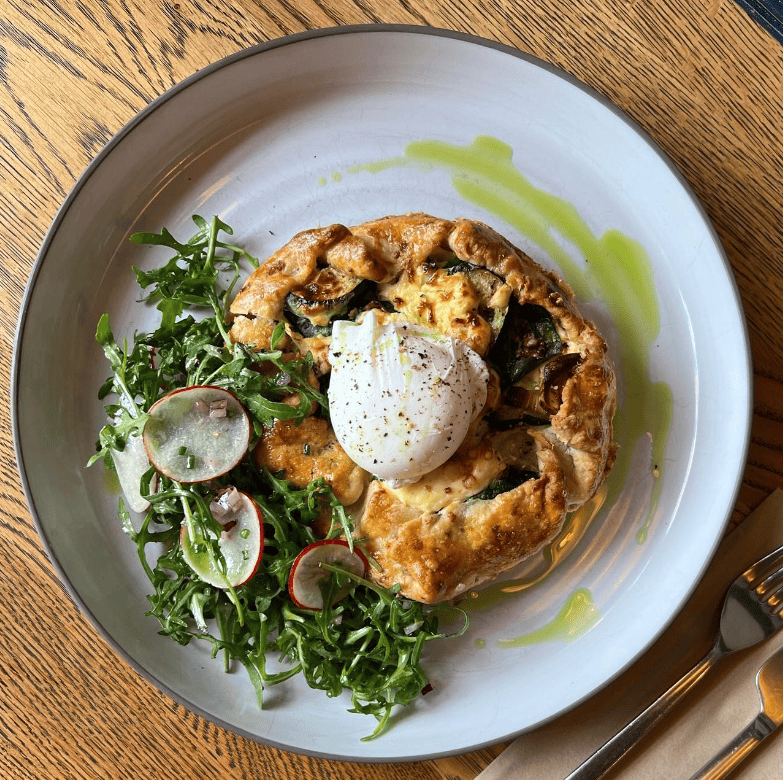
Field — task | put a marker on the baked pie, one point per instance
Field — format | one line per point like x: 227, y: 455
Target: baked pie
x: 471, y: 404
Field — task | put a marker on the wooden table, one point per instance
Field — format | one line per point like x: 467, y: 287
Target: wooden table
x: 701, y: 77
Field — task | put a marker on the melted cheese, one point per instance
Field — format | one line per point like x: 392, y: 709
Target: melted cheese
x: 468, y: 472
x: 446, y: 302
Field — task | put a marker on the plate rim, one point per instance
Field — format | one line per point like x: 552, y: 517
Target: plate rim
x: 253, y: 51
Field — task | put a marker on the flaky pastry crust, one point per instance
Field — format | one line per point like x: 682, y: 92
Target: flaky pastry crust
x: 435, y: 538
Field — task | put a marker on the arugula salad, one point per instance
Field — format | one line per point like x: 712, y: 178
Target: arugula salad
x: 229, y: 548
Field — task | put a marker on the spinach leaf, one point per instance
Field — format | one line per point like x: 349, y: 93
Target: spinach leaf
x: 512, y: 479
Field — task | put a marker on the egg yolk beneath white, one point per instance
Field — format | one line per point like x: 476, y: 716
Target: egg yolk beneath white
x: 402, y: 396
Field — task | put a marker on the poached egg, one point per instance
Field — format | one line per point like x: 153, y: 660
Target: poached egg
x: 402, y: 396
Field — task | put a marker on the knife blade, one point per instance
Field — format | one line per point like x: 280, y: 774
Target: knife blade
x: 769, y: 681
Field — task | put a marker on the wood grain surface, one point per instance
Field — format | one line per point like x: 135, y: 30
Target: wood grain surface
x: 701, y: 77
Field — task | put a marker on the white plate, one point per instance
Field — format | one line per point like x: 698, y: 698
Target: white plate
x: 292, y: 134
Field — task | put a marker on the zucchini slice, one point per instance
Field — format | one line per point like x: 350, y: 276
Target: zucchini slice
x: 331, y: 295
x: 304, y: 326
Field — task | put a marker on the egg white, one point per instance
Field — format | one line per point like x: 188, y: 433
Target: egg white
x: 402, y: 396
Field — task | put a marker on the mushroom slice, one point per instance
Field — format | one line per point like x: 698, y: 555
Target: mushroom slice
x: 516, y: 447
x: 540, y: 393
x: 530, y: 337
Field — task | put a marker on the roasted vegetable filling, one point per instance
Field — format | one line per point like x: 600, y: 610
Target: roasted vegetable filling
x: 526, y: 349
x: 529, y: 337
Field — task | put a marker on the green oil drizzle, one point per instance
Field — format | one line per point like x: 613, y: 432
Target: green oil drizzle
x: 335, y: 176
x: 615, y: 270
x: 111, y: 482
x: 578, y: 615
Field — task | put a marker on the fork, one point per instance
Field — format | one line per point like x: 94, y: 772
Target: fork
x: 769, y: 681
x: 751, y: 612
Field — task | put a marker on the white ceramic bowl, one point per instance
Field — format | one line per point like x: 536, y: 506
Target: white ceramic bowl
x: 342, y: 126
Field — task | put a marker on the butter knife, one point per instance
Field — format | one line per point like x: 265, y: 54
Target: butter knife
x: 770, y: 684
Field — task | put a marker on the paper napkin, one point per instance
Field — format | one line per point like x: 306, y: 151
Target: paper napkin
x: 721, y: 705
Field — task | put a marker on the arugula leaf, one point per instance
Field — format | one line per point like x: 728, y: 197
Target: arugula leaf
x: 371, y: 642
x: 190, y: 277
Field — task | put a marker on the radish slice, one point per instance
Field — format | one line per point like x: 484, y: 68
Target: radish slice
x: 306, y: 575
x: 130, y: 465
x: 198, y: 433
x: 241, y: 542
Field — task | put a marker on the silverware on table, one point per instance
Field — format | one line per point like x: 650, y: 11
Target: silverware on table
x: 751, y: 612
x: 770, y: 684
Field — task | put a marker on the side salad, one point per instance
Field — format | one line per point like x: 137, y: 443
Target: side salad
x: 229, y: 548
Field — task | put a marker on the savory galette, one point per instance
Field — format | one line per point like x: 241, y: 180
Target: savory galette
x: 471, y: 404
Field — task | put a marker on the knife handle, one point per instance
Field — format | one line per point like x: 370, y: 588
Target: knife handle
x: 728, y: 759
x: 600, y: 762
